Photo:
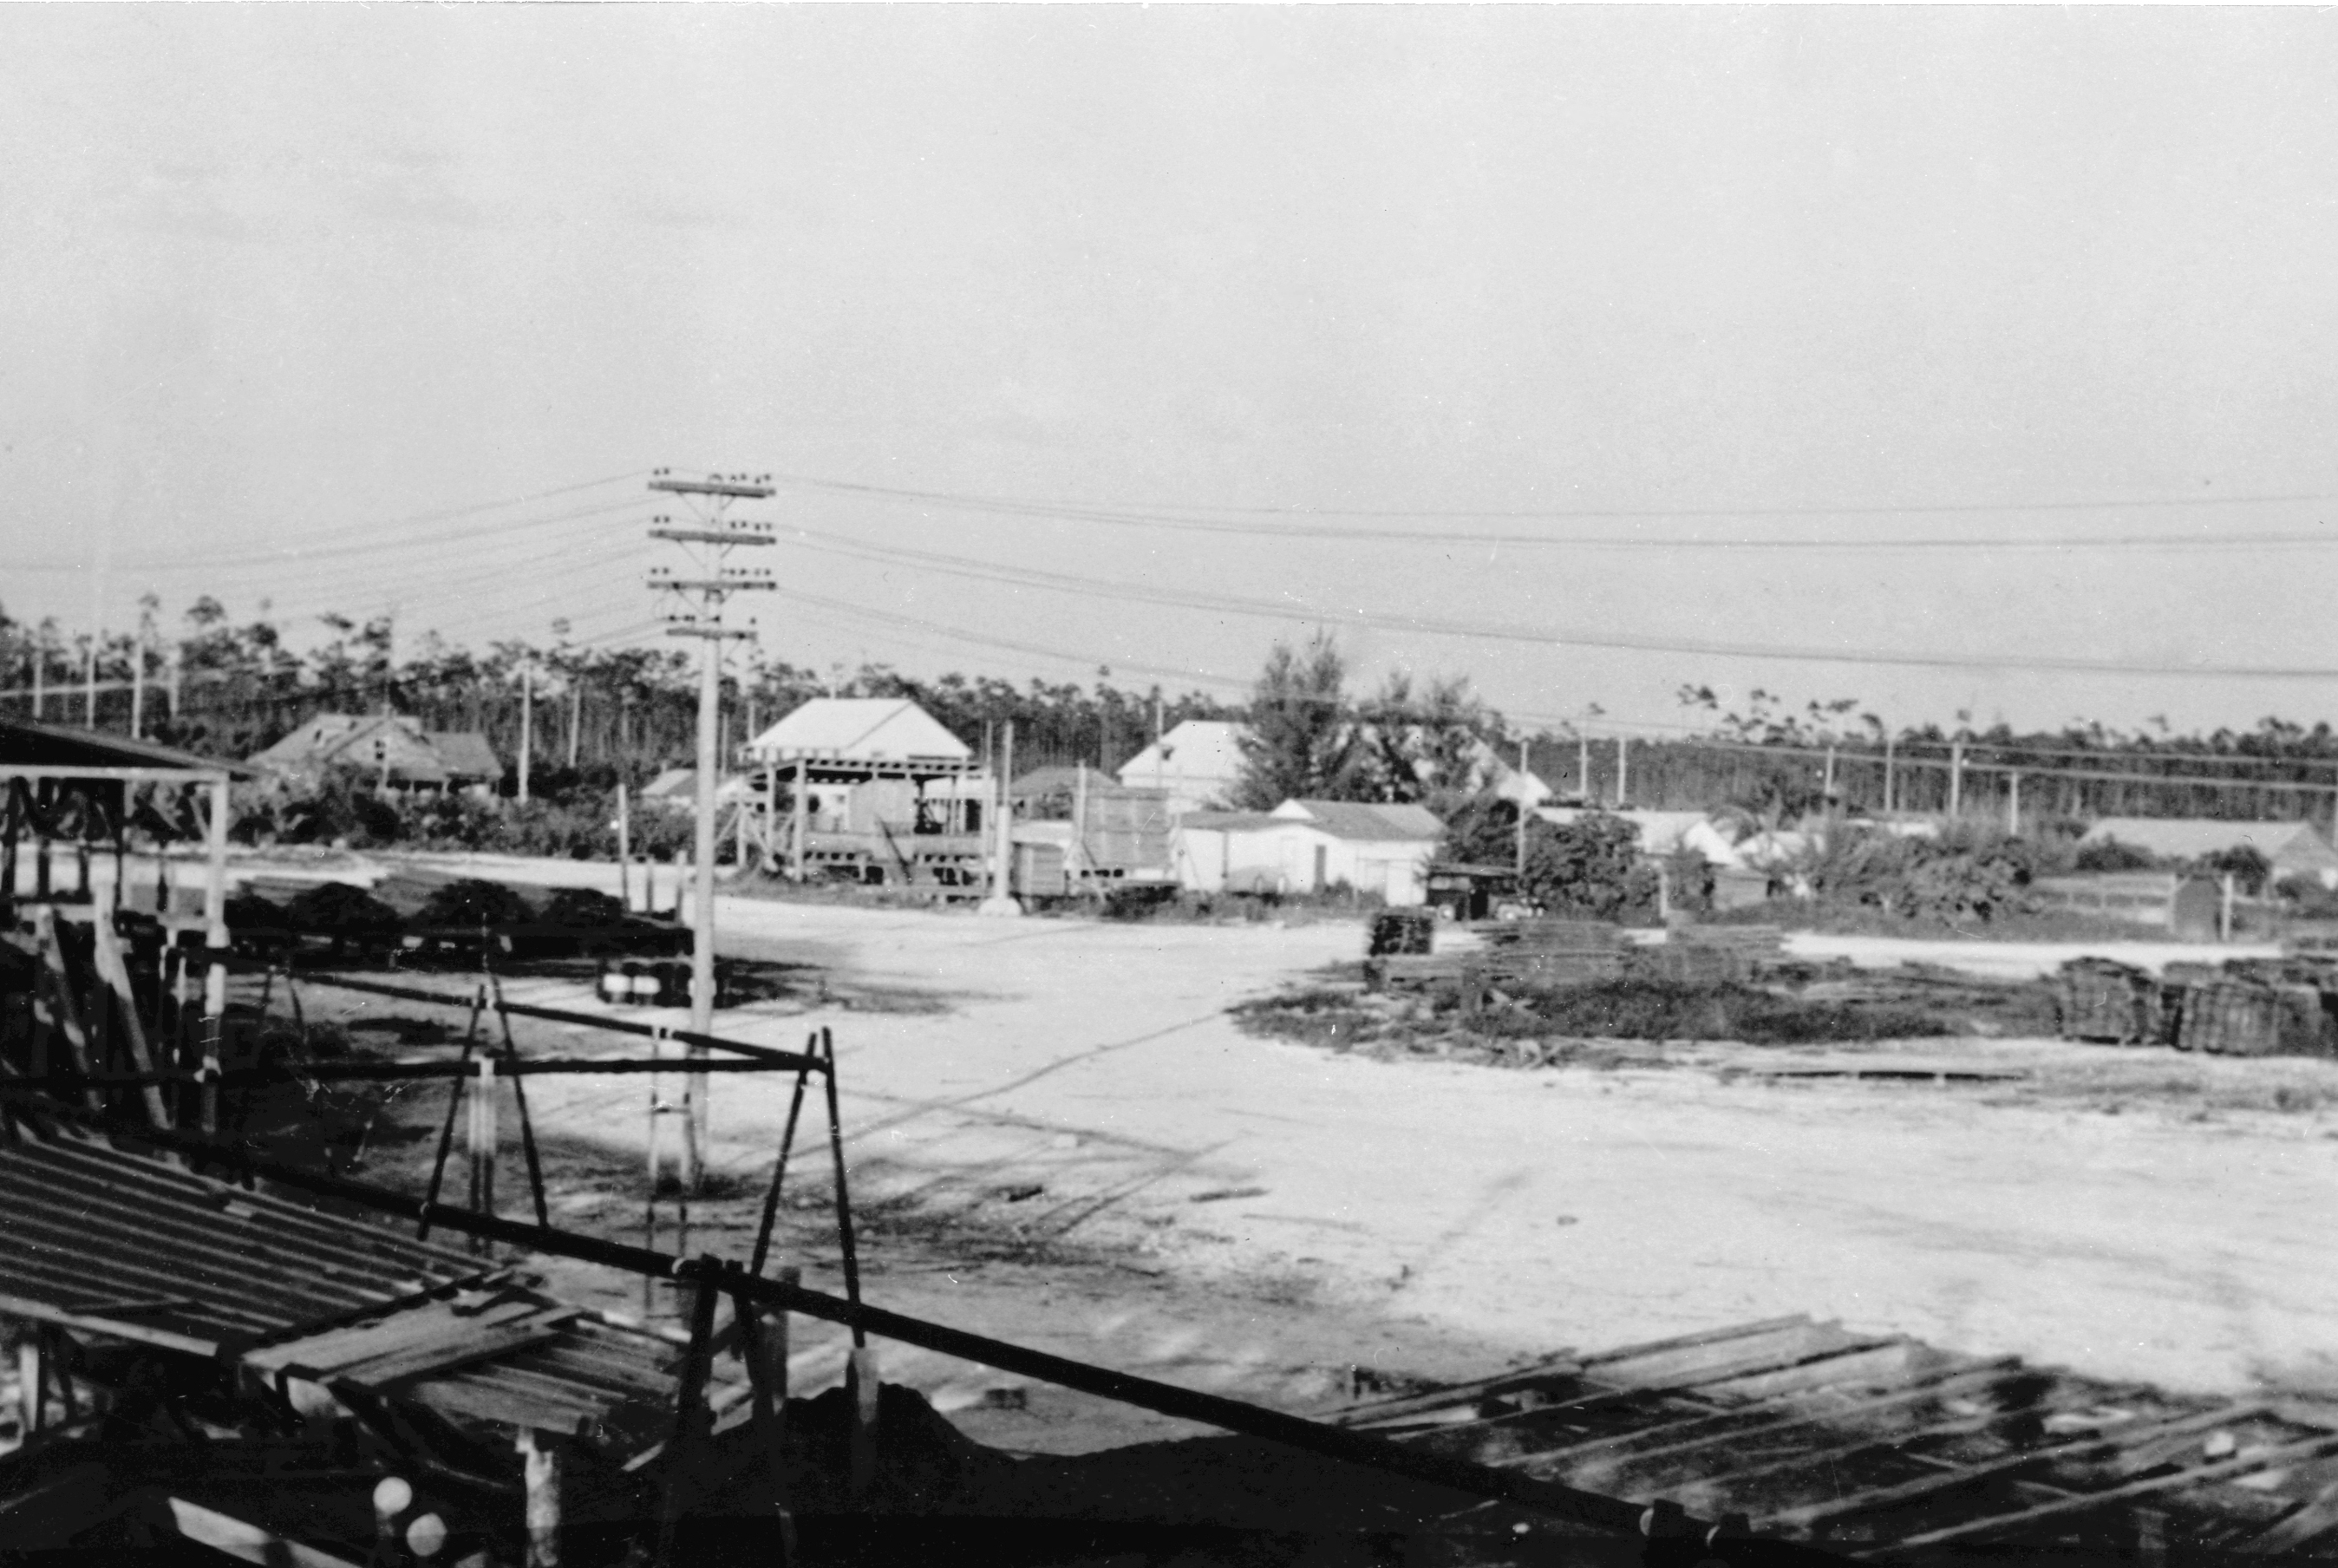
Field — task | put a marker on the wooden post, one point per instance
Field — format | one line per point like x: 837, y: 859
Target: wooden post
x: 2224, y: 911
x: 114, y: 980
x: 624, y: 846
x: 1827, y: 788
x: 1079, y: 863
x: 1891, y: 744
x: 1956, y: 778
x: 138, y: 684
x: 576, y: 717
x: 1622, y: 771
x: 1521, y: 855
x: 1583, y: 765
x: 2013, y: 805
x: 861, y: 1377
x: 483, y: 1142
x: 797, y: 828
x: 30, y: 1377
x: 540, y: 1469
x: 215, y: 944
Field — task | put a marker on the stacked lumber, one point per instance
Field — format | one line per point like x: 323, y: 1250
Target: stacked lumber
x: 1554, y: 952
x: 1876, y: 1444
x: 2249, y: 1007
x: 1407, y: 931
x: 1713, y: 954
x: 2107, y: 1002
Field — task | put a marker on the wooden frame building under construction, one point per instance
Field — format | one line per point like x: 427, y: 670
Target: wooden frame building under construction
x: 877, y: 793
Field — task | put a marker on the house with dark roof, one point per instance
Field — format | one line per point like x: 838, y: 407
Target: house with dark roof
x: 392, y: 748
x: 1309, y: 846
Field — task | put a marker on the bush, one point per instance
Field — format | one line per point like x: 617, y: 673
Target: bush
x: 473, y: 903
x: 1588, y: 870
x: 2110, y: 854
x: 1968, y: 876
x: 582, y: 908
x: 337, y: 909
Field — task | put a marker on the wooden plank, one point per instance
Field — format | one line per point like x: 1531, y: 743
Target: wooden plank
x: 324, y: 1242
x: 470, y: 1398
x: 2311, y: 1519
x: 1703, y: 1363
x: 61, y: 999
x: 113, y: 974
x: 2085, y: 1503
x: 1951, y: 1479
x: 224, y: 1222
x: 1695, y: 1432
x: 245, y: 1541
x: 432, y: 1324
x: 435, y: 1359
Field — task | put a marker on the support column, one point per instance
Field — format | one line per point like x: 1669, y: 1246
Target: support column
x: 31, y: 1372
x: 797, y: 828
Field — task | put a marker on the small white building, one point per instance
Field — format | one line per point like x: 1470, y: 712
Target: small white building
x: 1198, y: 763
x: 1311, y: 846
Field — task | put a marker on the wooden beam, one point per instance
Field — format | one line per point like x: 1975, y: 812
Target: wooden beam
x: 2087, y: 1502
x: 1814, y: 1513
x: 66, y: 1012
x: 2313, y: 1518
x: 114, y: 974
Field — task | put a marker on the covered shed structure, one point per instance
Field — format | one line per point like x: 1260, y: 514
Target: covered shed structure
x: 1309, y: 847
x: 875, y: 792
x: 88, y: 792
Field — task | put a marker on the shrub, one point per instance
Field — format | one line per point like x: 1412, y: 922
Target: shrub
x: 582, y: 908
x: 2110, y: 854
x: 1967, y: 875
x: 337, y: 909
x: 1588, y: 870
x: 473, y: 902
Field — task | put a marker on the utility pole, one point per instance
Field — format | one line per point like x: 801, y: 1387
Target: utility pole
x: 1582, y: 765
x: 1521, y: 867
x: 138, y: 679
x: 1002, y: 895
x: 526, y: 723
x: 708, y: 537
x: 1956, y: 777
x: 1622, y: 771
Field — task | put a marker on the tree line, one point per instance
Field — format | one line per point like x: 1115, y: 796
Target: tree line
x: 224, y: 687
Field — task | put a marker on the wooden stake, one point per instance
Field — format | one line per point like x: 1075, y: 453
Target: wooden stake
x: 540, y: 1469
x: 483, y: 1143
x: 625, y: 848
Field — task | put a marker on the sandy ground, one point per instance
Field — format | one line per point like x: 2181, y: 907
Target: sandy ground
x: 984, y: 1058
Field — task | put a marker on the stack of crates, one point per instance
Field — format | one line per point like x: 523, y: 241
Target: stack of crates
x: 2248, y: 1007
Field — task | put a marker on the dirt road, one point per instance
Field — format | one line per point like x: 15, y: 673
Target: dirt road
x: 1093, y: 1063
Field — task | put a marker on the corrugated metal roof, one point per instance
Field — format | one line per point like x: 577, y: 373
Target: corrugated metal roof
x: 127, y: 1247
x: 862, y: 729
x: 144, y: 1250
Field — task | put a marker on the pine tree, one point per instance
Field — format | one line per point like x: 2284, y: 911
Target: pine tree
x: 1301, y: 742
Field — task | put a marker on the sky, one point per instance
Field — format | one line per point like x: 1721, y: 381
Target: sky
x: 1985, y: 357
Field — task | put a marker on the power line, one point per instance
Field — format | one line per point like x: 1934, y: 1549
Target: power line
x: 1170, y: 512
x: 372, y: 530
x: 1225, y: 604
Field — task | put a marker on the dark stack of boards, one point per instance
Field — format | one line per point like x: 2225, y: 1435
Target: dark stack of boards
x: 2249, y: 1007
x: 1878, y: 1445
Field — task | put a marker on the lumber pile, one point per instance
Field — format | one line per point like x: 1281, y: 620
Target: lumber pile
x: 1713, y: 954
x: 2248, y: 1007
x: 1554, y: 952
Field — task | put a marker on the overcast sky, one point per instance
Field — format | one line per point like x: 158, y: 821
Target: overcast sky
x: 283, y: 282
